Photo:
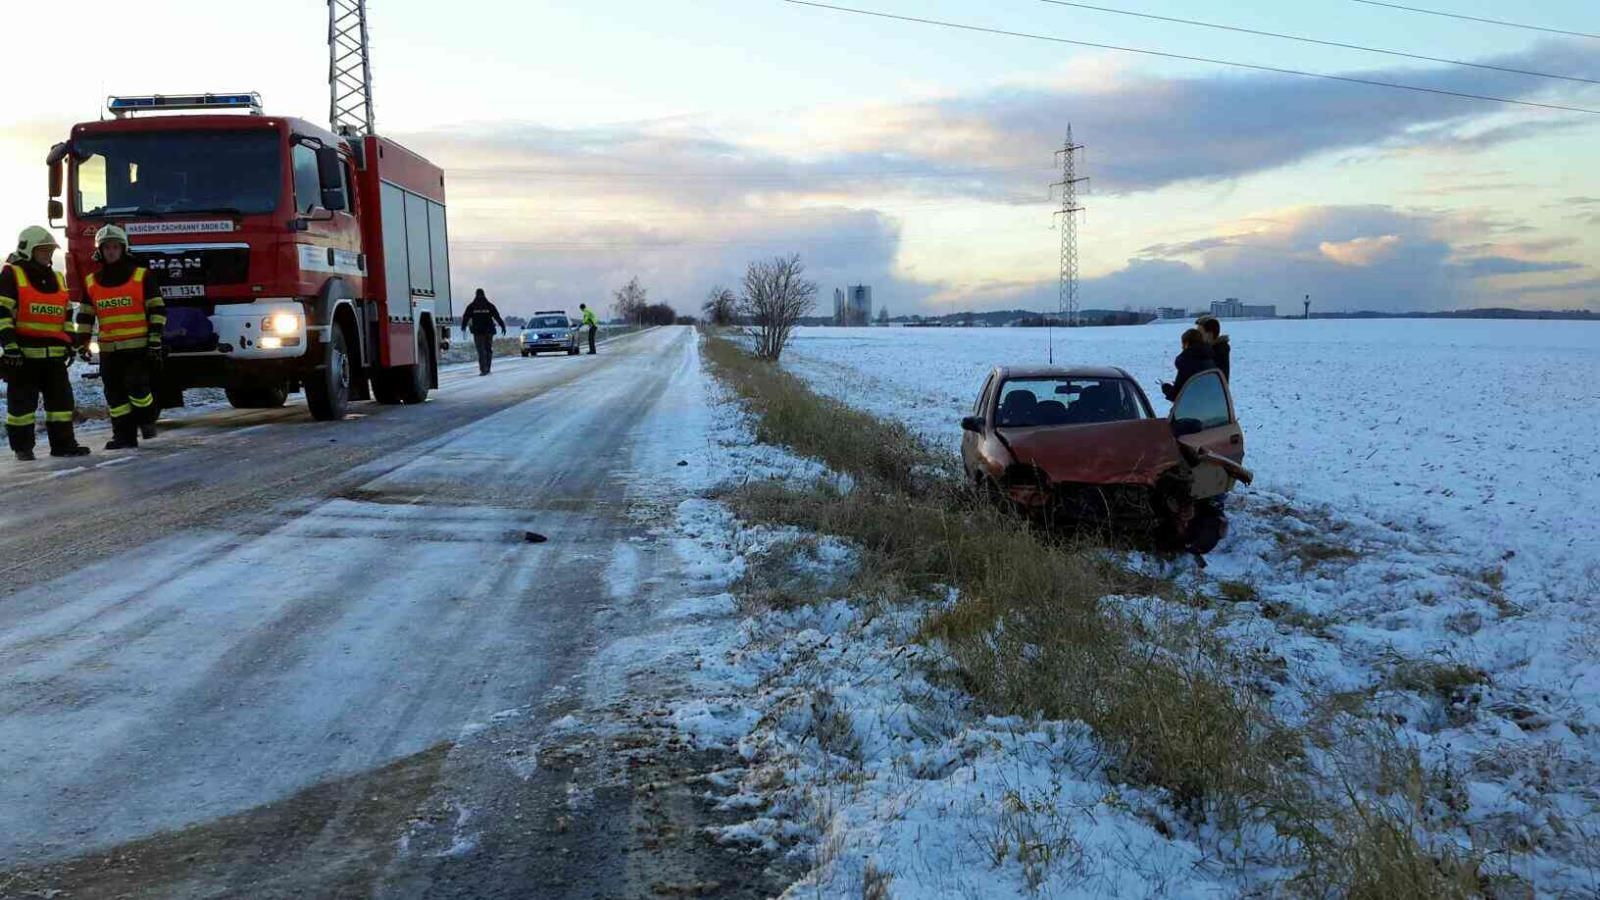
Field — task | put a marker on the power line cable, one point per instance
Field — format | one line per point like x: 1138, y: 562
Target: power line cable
x: 1504, y: 22
x: 1349, y: 79
x: 1318, y: 41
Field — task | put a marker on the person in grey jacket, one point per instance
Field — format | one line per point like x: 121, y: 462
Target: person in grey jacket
x: 481, y: 318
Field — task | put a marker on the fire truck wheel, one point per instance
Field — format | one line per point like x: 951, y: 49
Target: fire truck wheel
x: 383, y: 387
x: 328, y: 391
x: 414, y: 381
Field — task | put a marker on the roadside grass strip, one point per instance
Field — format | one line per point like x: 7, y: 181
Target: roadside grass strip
x: 1060, y: 635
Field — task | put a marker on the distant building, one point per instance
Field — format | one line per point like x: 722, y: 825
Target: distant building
x: 1234, y: 308
x: 852, y: 305
x: 1172, y: 312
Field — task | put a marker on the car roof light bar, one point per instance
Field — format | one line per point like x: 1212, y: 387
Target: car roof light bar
x: 122, y: 106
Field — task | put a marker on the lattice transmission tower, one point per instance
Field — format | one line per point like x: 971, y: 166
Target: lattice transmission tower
x: 349, y: 68
x: 1068, y: 305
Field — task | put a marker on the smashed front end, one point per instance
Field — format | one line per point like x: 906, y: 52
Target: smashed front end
x: 1132, y: 478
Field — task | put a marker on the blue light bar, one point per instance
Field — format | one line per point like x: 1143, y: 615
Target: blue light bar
x: 121, y: 106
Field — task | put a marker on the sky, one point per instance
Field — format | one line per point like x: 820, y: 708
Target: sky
x: 588, y: 143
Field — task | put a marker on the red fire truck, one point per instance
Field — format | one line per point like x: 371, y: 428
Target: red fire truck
x: 290, y: 258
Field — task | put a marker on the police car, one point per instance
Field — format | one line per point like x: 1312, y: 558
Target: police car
x: 549, y: 331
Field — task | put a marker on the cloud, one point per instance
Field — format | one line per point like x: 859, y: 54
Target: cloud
x: 1186, y: 248
x: 1490, y: 266
x: 1147, y: 132
x: 684, y: 202
x: 1362, y: 251
x: 1345, y: 257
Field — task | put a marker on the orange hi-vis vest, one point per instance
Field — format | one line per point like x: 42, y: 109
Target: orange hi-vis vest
x: 124, y: 321
x: 41, y: 315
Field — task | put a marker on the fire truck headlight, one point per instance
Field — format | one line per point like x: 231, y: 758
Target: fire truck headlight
x: 94, y: 348
x: 271, y: 343
x: 283, y: 323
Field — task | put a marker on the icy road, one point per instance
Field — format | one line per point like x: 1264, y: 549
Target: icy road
x: 256, y: 604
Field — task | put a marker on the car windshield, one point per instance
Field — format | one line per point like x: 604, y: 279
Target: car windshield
x: 158, y: 173
x: 547, y: 322
x: 1028, y: 402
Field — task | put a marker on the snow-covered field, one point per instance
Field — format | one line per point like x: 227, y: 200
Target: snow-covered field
x: 1426, y: 505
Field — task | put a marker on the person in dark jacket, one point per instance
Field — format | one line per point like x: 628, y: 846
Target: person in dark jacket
x: 1195, y: 358
x: 481, y: 318
x: 1221, y: 350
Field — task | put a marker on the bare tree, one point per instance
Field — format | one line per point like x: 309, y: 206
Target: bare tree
x: 776, y: 296
x: 630, y: 300
x: 883, y: 315
x: 720, y: 306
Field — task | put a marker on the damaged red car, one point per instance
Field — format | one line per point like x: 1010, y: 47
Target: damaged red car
x: 1082, y: 447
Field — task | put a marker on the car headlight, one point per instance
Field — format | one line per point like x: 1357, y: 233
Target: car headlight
x: 282, y: 323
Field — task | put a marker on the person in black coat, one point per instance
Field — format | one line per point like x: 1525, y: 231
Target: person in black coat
x: 1221, y: 350
x: 481, y: 318
x: 1195, y: 358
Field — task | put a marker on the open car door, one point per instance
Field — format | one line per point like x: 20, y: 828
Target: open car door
x: 1204, y: 421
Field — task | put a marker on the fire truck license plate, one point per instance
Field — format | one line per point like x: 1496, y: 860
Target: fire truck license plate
x: 183, y: 290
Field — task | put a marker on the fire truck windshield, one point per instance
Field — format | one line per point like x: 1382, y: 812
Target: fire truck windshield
x: 162, y: 173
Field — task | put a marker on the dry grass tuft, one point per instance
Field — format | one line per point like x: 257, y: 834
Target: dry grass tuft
x: 844, y: 438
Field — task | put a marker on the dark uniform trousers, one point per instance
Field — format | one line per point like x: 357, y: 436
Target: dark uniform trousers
x: 24, y: 385
x: 485, y: 343
x: 126, y: 376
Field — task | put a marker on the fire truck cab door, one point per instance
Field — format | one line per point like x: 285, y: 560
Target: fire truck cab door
x: 331, y: 242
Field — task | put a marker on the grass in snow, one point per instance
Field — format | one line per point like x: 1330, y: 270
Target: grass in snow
x: 1044, y: 628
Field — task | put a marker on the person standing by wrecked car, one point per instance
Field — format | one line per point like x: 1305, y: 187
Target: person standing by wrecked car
x: 1211, y: 327
x: 481, y: 318
x: 590, y: 323
x: 1195, y: 358
x: 36, y: 331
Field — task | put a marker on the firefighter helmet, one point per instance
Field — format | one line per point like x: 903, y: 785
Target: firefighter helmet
x: 110, y: 233
x: 32, y: 238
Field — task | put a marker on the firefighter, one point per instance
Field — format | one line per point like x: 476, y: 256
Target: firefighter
x: 590, y: 323
x: 36, y: 336
x: 124, y: 298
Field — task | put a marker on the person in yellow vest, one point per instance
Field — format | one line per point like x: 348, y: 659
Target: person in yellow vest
x: 36, y: 334
x: 123, y: 297
x: 590, y: 323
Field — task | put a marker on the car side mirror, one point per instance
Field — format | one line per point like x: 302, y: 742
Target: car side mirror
x: 973, y: 424
x: 1183, y: 427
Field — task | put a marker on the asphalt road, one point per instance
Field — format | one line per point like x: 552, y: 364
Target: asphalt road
x: 261, y: 633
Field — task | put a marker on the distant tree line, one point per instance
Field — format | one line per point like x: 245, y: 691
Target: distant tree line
x: 631, y: 304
